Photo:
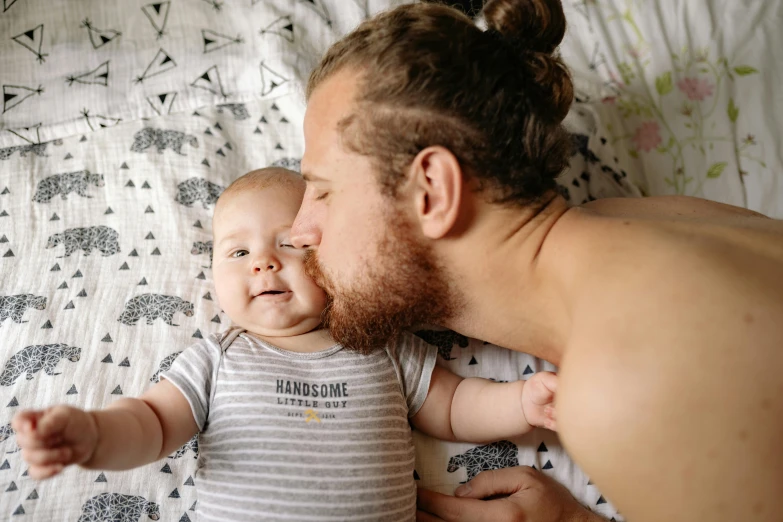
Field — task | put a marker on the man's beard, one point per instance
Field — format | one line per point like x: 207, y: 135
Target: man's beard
x: 403, y: 287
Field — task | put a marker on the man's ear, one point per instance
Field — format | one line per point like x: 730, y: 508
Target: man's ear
x: 437, y: 181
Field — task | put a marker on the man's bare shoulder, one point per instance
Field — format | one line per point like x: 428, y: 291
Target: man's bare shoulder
x: 654, y: 239
x: 670, y: 207
x: 643, y: 261
x: 668, y: 317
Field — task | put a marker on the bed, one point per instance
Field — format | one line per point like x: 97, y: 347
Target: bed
x: 122, y: 120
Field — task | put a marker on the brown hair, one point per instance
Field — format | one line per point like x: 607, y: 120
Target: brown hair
x: 495, y: 98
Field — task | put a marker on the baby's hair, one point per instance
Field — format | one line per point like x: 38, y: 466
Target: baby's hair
x: 265, y: 178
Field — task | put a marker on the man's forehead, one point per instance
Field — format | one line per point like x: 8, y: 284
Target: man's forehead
x: 330, y: 103
x: 333, y: 99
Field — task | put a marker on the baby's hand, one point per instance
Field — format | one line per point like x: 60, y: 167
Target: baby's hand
x: 54, y: 438
x: 538, y: 400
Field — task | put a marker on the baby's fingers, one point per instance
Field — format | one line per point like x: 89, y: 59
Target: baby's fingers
x: 54, y: 421
x: 44, y: 472
x: 47, y: 457
x: 550, y: 418
x: 548, y: 380
x: 30, y: 440
x: 25, y: 421
x: 540, y: 389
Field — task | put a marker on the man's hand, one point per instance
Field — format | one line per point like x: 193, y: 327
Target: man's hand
x: 54, y: 438
x: 527, y: 496
x: 538, y: 400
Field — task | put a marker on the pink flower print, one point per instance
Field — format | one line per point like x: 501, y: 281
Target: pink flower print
x: 647, y: 136
x: 695, y: 88
x: 636, y: 52
x: 616, y: 79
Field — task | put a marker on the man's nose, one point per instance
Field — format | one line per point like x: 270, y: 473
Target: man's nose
x: 304, y: 232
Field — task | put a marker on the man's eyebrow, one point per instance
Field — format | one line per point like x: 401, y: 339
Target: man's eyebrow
x: 310, y: 177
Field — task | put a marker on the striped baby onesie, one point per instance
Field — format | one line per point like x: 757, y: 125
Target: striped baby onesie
x: 303, y: 436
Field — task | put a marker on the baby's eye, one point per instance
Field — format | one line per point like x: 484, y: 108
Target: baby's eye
x: 240, y: 253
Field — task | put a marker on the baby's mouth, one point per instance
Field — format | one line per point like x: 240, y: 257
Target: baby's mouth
x: 272, y: 293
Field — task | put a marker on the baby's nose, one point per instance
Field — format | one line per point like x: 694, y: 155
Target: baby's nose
x: 265, y: 264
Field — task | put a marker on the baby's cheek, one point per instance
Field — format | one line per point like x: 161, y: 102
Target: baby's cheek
x: 316, y: 296
x: 222, y: 287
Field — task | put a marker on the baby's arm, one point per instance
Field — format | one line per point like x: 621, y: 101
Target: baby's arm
x: 479, y: 410
x: 127, y: 434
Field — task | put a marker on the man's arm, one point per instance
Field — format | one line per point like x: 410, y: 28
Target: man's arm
x: 472, y: 410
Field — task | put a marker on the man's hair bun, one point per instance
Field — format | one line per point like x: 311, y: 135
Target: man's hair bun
x: 533, y: 25
x: 532, y: 30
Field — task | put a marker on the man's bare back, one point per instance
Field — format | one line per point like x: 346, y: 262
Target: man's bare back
x: 670, y: 391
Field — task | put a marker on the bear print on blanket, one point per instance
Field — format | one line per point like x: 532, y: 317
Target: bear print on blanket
x: 39, y: 149
x: 294, y: 164
x: 239, y: 110
x: 101, y: 238
x: 191, y: 445
x: 64, y: 184
x: 162, y: 139
x: 152, y: 306
x: 32, y: 358
x: 14, y: 306
x: 199, y: 247
x: 6, y: 432
x: 165, y: 364
x: 116, y: 507
x: 198, y: 189
x: 444, y: 340
x: 498, y: 455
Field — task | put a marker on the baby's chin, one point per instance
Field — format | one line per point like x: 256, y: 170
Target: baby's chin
x: 281, y: 328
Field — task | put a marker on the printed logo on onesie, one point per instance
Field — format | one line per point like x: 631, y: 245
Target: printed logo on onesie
x: 313, y: 397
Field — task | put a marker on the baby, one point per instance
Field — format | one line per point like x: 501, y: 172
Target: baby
x: 291, y: 425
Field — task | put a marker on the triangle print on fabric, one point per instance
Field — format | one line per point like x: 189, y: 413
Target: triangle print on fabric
x: 7, y: 4
x: 98, y: 76
x: 32, y: 40
x: 210, y: 81
x: 217, y: 6
x: 158, y: 15
x: 29, y: 134
x: 318, y: 7
x: 99, y: 37
x: 160, y: 64
x: 270, y: 80
x: 13, y: 95
x: 283, y: 27
x: 162, y: 103
x: 99, y: 122
x: 214, y: 41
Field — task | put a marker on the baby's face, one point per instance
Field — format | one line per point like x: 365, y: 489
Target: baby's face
x: 259, y: 277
